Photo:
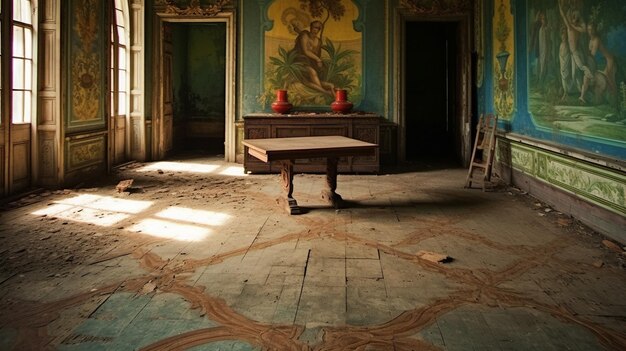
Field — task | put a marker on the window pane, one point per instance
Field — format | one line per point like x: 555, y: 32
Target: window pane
x: 17, y: 9
x: 18, y: 41
x: 18, y: 104
x: 122, y: 103
x: 119, y: 18
x: 28, y: 103
x: 28, y: 75
x: 1, y: 69
x: 121, y: 35
x: 18, y: 73
x: 121, y: 58
x: 26, y: 16
x: 22, y: 11
x: 28, y: 43
x: 122, y: 81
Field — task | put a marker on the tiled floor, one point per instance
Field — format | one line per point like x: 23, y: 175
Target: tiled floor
x: 199, y: 256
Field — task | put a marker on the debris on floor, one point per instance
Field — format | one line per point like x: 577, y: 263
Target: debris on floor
x: 434, y: 257
x: 612, y: 246
x: 124, y: 185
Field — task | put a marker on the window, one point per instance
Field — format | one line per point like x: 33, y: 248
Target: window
x: 1, y: 69
x: 22, y: 63
x: 119, y: 61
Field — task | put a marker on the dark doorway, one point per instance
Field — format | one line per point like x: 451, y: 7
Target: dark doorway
x: 198, y: 83
x: 431, y: 122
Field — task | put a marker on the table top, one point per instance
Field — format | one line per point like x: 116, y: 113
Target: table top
x: 273, y: 149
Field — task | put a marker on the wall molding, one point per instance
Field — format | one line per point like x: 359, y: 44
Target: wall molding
x: 437, y: 7
x: 195, y: 9
x: 598, y: 185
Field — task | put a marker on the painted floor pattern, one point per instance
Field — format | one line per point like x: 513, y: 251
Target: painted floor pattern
x: 197, y: 255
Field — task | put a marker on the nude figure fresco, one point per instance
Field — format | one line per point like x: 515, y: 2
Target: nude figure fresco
x: 577, y: 62
x: 311, y: 50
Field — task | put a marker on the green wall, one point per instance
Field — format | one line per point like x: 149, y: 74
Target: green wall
x: 199, y: 70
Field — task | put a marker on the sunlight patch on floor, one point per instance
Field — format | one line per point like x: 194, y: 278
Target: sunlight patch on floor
x: 171, y: 230
x: 103, y: 211
x: 191, y: 167
x: 234, y: 171
x: 194, y: 216
x: 180, y: 167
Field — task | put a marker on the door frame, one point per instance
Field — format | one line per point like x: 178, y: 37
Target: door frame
x: 157, y: 129
x: 464, y: 79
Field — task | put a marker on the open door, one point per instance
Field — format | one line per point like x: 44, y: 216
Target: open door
x: 163, y: 128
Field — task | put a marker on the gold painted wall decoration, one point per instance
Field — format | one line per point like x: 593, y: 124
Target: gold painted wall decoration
x: 437, y: 7
x: 504, y: 56
x: 195, y: 9
x: 87, y: 65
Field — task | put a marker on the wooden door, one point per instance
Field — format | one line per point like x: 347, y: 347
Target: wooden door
x: 167, y: 95
x: 19, y: 158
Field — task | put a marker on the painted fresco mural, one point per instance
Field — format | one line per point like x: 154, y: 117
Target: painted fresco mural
x: 87, y: 65
x: 312, y: 49
x: 503, y: 35
x: 576, y: 68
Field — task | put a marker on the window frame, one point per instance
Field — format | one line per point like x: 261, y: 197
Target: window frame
x: 22, y: 93
x: 119, y: 86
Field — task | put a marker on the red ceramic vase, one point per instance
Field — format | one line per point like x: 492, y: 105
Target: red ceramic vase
x: 281, y: 105
x: 341, y: 103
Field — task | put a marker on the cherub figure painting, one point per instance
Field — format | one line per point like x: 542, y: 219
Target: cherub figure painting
x: 311, y: 50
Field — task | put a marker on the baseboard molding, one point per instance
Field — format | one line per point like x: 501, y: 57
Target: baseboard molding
x: 599, y: 219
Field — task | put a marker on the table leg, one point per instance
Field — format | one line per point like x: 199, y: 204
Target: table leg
x: 329, y: 194
x: 286, y: 174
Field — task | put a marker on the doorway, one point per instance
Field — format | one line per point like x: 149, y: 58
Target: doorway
x: 198, y: 83
x: 195, y: 95
x: 432, y: 119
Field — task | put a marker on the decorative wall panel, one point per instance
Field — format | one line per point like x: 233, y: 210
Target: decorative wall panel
x: 601, y: 186
x: 85, y: 152
x: 47, y: 155
x: 504, y: 60
x: 87, y: 65
x: 21, y: 162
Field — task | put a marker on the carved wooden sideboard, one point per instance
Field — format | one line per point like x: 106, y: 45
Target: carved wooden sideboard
x: 361, y: 126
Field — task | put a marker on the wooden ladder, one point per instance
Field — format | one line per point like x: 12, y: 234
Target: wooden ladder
x: 484, y: 148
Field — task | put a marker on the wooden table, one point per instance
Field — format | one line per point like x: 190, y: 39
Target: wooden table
x: 287, y: 150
